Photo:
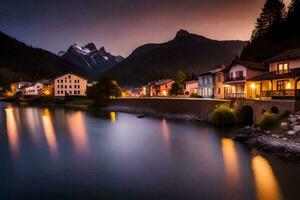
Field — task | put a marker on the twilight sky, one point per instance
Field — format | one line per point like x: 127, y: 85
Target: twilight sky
x: 123, y: 25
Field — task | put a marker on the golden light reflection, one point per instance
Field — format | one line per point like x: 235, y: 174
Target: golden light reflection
x: 77, y: 128
x: 113, y: 116
x: 12, y: 131
x: 231, y: 165
x: 266, y: 184
x: 165, y: 131
x: 49, y: 132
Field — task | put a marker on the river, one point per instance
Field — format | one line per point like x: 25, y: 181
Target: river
x: 58, y: 153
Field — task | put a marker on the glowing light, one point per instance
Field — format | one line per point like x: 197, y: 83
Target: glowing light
x: 12, y: 131
x: 231, y: 165
x: 253, y: 86
x: 164, y: 93
x: 165, y: 131
x: 288, y: 85
x: 49, y: 132
x: 78, y: 131
x: 266, y: 183
x: 113, y: 116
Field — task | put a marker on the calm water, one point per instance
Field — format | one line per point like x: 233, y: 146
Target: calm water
x: 50, y: 153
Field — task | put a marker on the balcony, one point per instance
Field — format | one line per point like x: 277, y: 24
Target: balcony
x: 232, y: 79
x: 235, y: 95
x: 280, y: 94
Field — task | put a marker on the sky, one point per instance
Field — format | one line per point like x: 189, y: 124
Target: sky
x: 122, y: 25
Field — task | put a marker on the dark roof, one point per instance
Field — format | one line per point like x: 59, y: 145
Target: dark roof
x: 164, y: 81
x: 248, y: 65
x: 205, y: 73
x: 274, y: 75
x: 286, y: 55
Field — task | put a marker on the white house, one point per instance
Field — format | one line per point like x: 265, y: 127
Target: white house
x: 70, y: 85
x: 33, y: 89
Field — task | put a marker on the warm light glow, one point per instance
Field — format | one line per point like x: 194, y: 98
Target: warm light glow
x: 9, y: 94
x: 77, y: 128
x: 252, y: 86
x: 164, y: 93
x: 266, y: 184
x: 49, y: 132
x: 231, y: 165
x: 12, y: 131
x: 113, y: 116
x: 288, y: 85
x: 165, y: 131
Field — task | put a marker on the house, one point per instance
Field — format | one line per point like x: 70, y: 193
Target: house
x: 220, y: 75
x: 17, y: 87
x: 206, y: 85
x: 70, y: 84
x: 32, y: 89
x: 236, y: 76
x: 161, y: 87
x: 191, y: 87
x: 281, y: 81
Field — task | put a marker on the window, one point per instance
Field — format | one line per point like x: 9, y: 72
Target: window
x: 75, y: 92
x: 231, y: 75
x: 61, y: 81
x: 219, y: 90
x: 57, y: 81
x: 283, y: 68
x: 66, y: 86
x: 281, y: 85
x: 78, y: 86
x: 70, y: 86
x: 239, y: 74
x: 70, y: 81
x: 219, y: 78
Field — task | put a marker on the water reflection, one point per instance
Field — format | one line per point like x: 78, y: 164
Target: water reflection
x: 113, y: 116
x: 49, y: 132
x: 266, y: 184
x: 165, y: 131
x: 12, y: 131
x: 33, y: 123
x: 76, y: 124
x: 231, y: 165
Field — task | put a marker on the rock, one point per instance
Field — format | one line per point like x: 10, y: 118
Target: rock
x: 291, y: 116
x: 258, y: 129
x: 248, y: 127
x: 291, y: 132
x: 293, y: 124
x: 296, y: 128
x: 292, y: 119
x: 268, y: 132
x: 284, y: 138
x: 284, y: 124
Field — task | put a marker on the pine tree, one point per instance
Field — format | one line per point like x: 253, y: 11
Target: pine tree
x: 273, y: 13
x: 294, y: 11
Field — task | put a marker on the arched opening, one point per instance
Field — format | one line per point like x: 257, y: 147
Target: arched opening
x: 274, y: 110
x: 245, y: 115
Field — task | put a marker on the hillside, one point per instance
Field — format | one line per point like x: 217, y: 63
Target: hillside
x: 20, y: 61
x: 190, y: 52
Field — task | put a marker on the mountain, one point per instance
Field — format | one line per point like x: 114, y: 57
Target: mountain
x: 190, y: 52
x: 90, y: 59
x: 20, y: 61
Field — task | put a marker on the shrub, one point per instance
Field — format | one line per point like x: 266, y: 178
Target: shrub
x: 267, y: 120
x: 222, y: 115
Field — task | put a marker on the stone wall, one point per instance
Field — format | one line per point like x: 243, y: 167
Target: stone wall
x: 200, y: 108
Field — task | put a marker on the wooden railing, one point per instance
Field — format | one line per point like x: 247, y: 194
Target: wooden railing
x: 239, y: 78
x: 279, y: 93
x: 235, y: 95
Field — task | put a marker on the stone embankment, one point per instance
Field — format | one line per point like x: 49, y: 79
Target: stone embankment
x: 283, y: 141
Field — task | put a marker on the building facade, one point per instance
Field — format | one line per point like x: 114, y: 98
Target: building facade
x: 70, y: 85
x: 160, y: 88
x: 282, y: 80
x: 33, y: 89
x: 206, y: 85
x: 191, y: 87
x: 237, y: 75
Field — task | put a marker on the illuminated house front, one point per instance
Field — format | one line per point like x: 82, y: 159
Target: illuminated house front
x: 282, y: 80
x: 161, y: 87
x: 191, y: 87
x: 70, y: 85
x: 237, y: 75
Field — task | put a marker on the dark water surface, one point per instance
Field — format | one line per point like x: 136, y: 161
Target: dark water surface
x: 48, y: 153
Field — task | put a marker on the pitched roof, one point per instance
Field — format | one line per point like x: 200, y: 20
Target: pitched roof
x: 249, y: 65
x: 215, y: 70
x: 274, y: 75
x: 71, y: 73
x: 190, y: 82
x: 286, y: 55
x: 164, y: 81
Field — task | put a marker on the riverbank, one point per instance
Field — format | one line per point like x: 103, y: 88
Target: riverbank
x: 283, y: 145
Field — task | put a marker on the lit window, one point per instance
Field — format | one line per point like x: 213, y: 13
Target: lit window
x: 283, y: 68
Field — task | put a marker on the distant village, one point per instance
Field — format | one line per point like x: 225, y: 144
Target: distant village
x: 240, y: 79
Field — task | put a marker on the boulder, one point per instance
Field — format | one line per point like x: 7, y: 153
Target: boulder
x: 296, y: 128
x: 292, y: 119
x: 284, y: 124
x: 291, y: 132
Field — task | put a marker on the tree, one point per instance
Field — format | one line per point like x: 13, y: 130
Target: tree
x: 273, y: 13
x: 181, y: 78
x: 175, y: 90
x: 294, y: 11
x: 105, y: 89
